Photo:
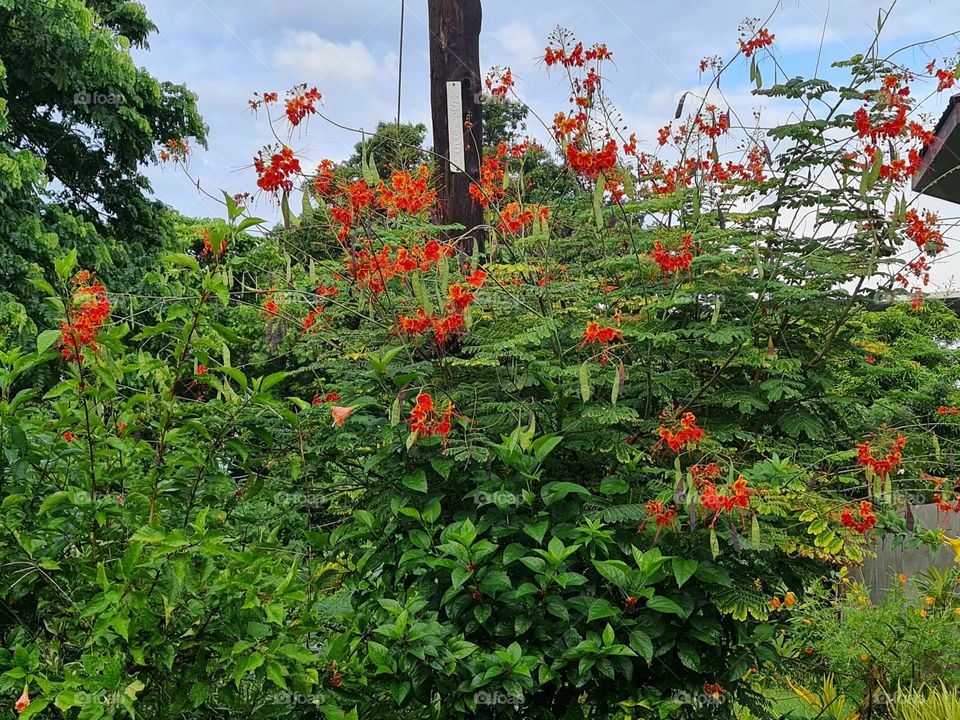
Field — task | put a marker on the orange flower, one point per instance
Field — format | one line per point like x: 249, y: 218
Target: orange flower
x: 790, y: 599
x: 902, y: 578
x: 340, y: 414
x: 90, y: 309
x: 271, y: 308
x: 22, y: 702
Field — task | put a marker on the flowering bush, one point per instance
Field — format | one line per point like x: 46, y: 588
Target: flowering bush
x: 584, y: 472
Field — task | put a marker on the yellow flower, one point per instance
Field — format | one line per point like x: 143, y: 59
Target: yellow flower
x: 864, y: 657
x: 928, y: 600
x: 902, y: 578
x: 956, y: 611
x: 923, y: 613
x: 955, y: 544
x: 846, y: 581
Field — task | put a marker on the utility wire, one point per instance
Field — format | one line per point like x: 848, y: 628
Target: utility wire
x: 400, y: 69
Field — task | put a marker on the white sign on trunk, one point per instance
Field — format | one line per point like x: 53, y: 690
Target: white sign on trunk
x: 458, y: 158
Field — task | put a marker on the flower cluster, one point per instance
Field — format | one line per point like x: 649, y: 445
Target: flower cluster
x: 684, y: 433
x: 330, y: 397
x: 736, y: 496
x: 673, y: 262
x: 717, y: 126
x: 760, y: 39
x: 407, y: 193
x: 885, y: 465
x: 514, y: 218
x: 499, y: 81
x: 663, y: 517
x: 373, y: 270
x: 861, y: 520
x: 300, y: 103
x: 492, y: 170
x: 590, y: 164
x: 596, y: 334
x: 425, y: 421
x: 701, y: 473
x: 275, y: 169
x: 176, y: 150
x: 789, y: 600
x: 948, y: 410
x: 575, y: 57
x: 89, y: 309
x: 923, y: 231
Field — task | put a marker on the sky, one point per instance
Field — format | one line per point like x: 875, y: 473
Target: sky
x: 225, y: 50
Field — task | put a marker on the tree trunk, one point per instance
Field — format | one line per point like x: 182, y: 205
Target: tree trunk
x: 455, y: 56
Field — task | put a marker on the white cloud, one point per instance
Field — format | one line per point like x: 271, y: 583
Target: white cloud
x: 325, y: 61
x: 520, y: 42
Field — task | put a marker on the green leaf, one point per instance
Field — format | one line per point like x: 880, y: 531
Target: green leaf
x: 416, y: 480
x: 601, y: 609
x: 613, y: 485
x: 661, y: 604
x: 183, y: 260
x: 642, y: 644
x: 683, y: 569
x: 46, y: 339
x: 556, y: 491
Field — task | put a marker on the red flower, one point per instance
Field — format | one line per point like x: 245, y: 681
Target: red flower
x: 271, y: 308
x: 311, y: 318
x: 945, y: 80
x: 594, y: 333
x: 274, y: 171
x: 669, y: 262
x: 882, y: 466
x: 713, y: 689
x: 735, y: 496
x: 951, y: 410
x: 407, y: 194
x: 68, y: 436
x: 861, y: 520
x: 499, y: 81
x: 476, y: 280
x: 302, y: 104
x: 89, y: 310
x: 683, y: 434
x: 761, y: 39
x: 590, y: 164
x: 923, y: 232
x: 424, y: 420
x: 201, y: 369
x: 662, y: 517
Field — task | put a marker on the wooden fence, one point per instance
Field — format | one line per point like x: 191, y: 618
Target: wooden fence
x: 880, y: 571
